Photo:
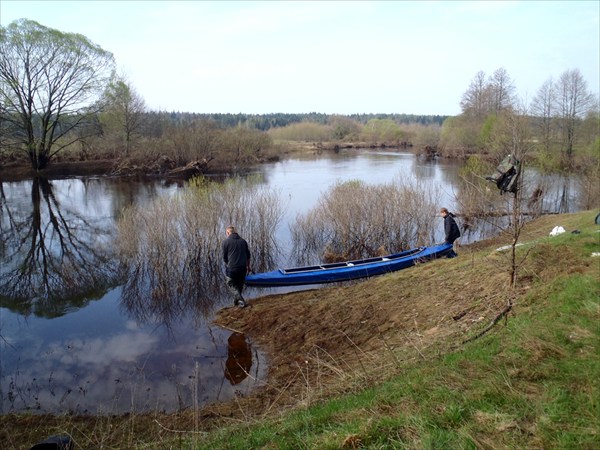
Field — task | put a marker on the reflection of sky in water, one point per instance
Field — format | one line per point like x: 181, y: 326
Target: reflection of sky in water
x: 98, y: 358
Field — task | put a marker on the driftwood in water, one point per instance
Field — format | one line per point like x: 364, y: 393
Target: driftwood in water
x: 189, y: 170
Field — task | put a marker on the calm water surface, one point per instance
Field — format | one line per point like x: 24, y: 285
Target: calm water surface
x: 68, y: 339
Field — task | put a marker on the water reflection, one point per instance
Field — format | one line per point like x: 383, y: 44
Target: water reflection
x: 239, y: 358
x: 424, y: 168
x: 100, y: 363
x: 163, y: 289
x: 54, y: 258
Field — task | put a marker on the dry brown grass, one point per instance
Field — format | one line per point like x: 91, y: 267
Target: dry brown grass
x: 353, y: 220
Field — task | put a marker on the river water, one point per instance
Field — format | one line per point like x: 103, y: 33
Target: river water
x: 72, y: 341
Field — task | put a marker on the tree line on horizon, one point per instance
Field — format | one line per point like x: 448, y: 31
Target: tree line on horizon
x: 266, y: 121
x: 61, y: 97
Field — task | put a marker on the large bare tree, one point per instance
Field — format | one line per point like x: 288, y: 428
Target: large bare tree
x: 50, y: 83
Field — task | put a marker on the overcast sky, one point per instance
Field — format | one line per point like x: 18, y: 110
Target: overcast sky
x: 330, y: 57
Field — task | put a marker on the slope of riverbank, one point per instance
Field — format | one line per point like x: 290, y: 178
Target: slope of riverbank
x: 442, y: 355
x: 432, y: 323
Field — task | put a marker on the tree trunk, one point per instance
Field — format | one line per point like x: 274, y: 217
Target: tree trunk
x: 42, y: 161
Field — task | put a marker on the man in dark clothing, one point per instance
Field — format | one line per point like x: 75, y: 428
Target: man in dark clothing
x: 452, y: 233
x: 236, y: 256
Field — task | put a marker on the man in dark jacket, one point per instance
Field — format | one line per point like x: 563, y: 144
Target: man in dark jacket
x: 236, y: 256
x: 451, y: 231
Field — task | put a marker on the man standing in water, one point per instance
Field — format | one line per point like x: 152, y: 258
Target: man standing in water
x: 236, y: 256
x: 451, y: 230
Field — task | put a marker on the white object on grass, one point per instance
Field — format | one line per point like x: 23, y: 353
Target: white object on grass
x: 506, y: 247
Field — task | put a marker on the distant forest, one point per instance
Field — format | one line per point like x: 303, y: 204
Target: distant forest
x: 265, y: 122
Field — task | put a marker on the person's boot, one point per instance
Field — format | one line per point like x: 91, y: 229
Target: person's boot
x: 239, y: 301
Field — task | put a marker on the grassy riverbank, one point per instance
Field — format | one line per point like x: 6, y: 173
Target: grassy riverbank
x: 396, y: 361
x: 530, y: 382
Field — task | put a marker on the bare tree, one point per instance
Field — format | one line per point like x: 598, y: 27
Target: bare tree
x: 244, y: 143
x: 475, y: 100
x: 573, y: 102
x: 344, y: 127
x: 486, y: 96
x: 501, y: 90
x: 513, y: 133
x: 543, y: 109
x: 50, y: 82
x: 124, y: 111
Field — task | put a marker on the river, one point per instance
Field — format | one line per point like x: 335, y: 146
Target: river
x: 72, y: 341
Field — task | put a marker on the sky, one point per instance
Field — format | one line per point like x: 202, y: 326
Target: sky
x: 331, y: 57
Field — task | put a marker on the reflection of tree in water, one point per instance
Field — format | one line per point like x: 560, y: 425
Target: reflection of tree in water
x: 52, y: 258
x: 172, y: 247
x: 161, y: 287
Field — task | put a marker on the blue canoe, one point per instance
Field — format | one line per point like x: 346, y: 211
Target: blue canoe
x: 349, y: 270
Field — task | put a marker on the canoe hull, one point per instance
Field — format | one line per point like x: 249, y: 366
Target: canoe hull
x: 346, y: 271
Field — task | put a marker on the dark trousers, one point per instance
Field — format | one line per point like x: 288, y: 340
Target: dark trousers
x: 452, y: 253
x: 235, y: 283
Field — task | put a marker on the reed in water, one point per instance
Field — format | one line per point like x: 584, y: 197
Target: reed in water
x: 355, y: 220
x: 171, y: 248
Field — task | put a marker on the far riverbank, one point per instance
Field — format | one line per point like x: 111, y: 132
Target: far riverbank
x: 163, y: 167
